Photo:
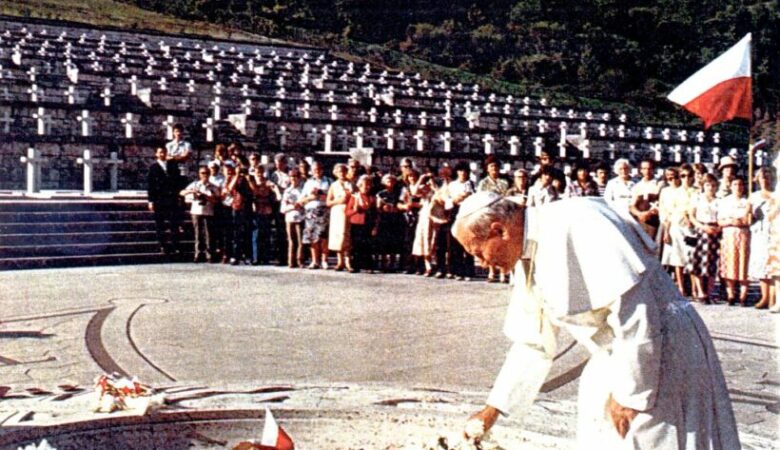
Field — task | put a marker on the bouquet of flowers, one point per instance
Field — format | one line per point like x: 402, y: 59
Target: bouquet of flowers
x: 115, y: 393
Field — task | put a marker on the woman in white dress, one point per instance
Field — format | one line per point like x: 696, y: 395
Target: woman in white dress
x: 759, y: 235
x: 338, y: 231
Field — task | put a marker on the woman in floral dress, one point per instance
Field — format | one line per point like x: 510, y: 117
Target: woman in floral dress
x: 733, y: 218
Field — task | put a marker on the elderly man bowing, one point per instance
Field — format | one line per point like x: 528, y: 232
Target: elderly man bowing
x: 653, y: 380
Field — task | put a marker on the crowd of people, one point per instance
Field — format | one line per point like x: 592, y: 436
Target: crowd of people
x: 707, y: 225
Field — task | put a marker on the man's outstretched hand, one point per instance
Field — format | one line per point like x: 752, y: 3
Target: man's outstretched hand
x: 488, y: 416
x: 620, y: 415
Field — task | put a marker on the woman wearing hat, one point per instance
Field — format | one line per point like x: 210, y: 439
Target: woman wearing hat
x: 728, y: 171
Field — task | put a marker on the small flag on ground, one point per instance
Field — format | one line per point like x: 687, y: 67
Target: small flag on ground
x: 721, y: 90
x: 274, y: 437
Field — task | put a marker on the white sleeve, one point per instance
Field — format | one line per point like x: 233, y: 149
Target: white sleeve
x: 524, y: 370
x: 636, y: 350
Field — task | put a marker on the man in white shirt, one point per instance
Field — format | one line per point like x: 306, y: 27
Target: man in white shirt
x: 179, y: 150
x: 644, y: 198
x: 654, y: 380
x: 202, y: 195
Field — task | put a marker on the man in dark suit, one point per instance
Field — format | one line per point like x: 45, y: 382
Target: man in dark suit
x: 163, y: 184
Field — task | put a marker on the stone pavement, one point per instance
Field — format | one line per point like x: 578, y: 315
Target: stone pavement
x: 379, y: 346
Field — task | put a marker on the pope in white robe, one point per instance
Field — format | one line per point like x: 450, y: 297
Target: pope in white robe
x: 653, y: 380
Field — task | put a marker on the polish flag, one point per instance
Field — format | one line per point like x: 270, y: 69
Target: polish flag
x: 721, y: 90
x: 274, y: 437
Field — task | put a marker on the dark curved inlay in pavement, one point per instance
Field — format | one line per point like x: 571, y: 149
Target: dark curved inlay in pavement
x: 24, y: 334
x: 744, y: 342
x: 137, y: 350
x: 95, y: 345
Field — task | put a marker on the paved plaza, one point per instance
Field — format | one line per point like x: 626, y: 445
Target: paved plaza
x: 362, y: 353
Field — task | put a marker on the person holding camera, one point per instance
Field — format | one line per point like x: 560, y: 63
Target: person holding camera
x: 202, y: 195
x: 266, y: 196
x: 240, y: 188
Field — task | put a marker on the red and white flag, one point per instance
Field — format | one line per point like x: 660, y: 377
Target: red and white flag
x: 274, y: 437
x: 721, y: 90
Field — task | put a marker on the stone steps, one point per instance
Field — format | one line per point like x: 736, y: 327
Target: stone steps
x: 69, y: 233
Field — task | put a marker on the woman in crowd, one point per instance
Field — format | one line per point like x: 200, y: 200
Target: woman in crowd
x: 519, y: 187
x: 292, y: 208
x: 672, y: 204
x: 391, y: 223
x: 424, y: 236
x: 240, y: 188
x: 758, y: 269
x: 443, y: 219
x: 362, y: 215
x: 339, y: 230
x: 618, y: 192
x: 221, y: 154
x: 733, y: 218
x: 542, y: 192
x: 494, y: 183
x: 266, y: 195
x: 703, y: 215
x: 304, y: 170
x: 582, y: 185
x: 315, y: 231
x: 410, y: 205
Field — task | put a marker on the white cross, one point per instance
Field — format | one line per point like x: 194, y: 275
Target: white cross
x: 700, y: 136
x: 697, y: 154
x: 234, y: 77
x: 358, y: 133
x: 623, y: 118
x: 683, y: 135
x: 423, y: 118
x: 245, y: 90
x: 543, y: 101
x: 371, y: 91
x: 420, y: 140
x: 191, y: 86
x: 168, y: 124
x: 554, y: 113
x: 163, y: 83
x: 562, y: 148
x: 328, y: 134
x: 217, y: 88
x: 507, y: 109
x: 622, y: 131
x: 353, y: 98
x: 32, y: 72
x: 589, y: 115
x: 657, y: 154
x: 306, y: 95
x: 473, y: 119
x: 538, y: 146
x: 677, y: 151
x: 583, y: 130
x: 334, y: 112
x: 106, y: 96
x: 666, y: 134
x: 447, y: 119
x: 390, y: 137
x: 209, y: 126
x: 542, y: 125
x: 611, y: 151
x: 129, y: 120
x: 87, y: 161
x: 281, y: 93
x: 372, y: 113
x: 525, y: 110
x: 398, y: 116
x: 247, y: 106
x: 44, y: 121
x: 282, y: 133
x: 514, y: 146
x: 648, y: 132
x: 446, y: 139
x: 330, y: 97
x: 33, y: 161
x: 217, y: 109
x: 7, y: 121
x: 602, y: 130
x: 34, y: 92
x: 488, y: 140
x: 86, y: 123
x: 16, y: 57
x: 716, y: 138
x: 585, y: 148
x: 72, y: 95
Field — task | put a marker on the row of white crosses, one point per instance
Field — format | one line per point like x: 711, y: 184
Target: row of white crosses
x: 33, y: 161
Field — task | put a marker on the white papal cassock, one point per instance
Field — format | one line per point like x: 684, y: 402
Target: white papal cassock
x: 594, y: 274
